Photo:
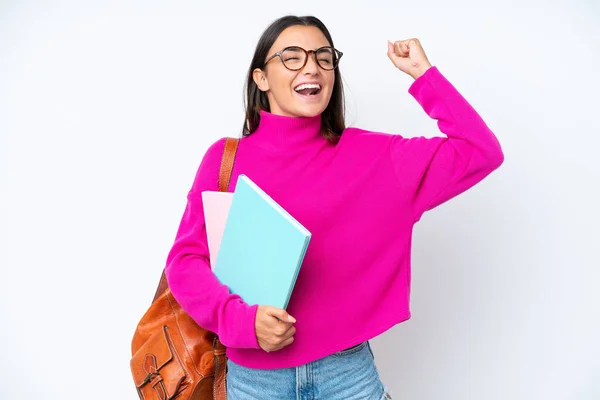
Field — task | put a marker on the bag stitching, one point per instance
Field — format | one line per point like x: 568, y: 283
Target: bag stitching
x: 181, y: 335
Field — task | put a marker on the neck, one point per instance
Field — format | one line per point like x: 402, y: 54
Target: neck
x: 278, y: 132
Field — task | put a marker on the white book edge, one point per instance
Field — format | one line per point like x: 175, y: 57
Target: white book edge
x: 276, y: 206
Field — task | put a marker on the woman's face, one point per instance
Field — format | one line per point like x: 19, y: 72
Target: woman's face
x: 280, y: 83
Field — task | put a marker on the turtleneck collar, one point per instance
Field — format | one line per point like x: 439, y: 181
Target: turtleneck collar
x: 279, y: 132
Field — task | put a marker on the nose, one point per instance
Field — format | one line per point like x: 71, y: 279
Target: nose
x: 311, y: 66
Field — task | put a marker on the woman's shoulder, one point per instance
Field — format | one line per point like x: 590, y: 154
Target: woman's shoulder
x: 211, y: 159
x: 216, y: 146
x: 215, y: 150
x: 207, y: 172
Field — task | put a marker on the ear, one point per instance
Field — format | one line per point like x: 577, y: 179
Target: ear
x: 260, y: 79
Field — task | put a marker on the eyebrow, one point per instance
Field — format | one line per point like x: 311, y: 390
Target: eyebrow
x: 295, y: 45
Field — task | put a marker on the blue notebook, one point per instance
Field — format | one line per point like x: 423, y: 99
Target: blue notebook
x: 262, y: 248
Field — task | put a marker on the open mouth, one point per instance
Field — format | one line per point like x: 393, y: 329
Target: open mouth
x: 308, y: 89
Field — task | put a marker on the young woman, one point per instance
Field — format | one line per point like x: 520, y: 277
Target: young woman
x: 358, y: 192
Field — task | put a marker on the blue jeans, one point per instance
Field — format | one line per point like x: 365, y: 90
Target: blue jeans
x: 346, y: 375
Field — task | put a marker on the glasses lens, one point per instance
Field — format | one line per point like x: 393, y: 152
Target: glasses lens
x: 327, y: 58
x: 293, y: 57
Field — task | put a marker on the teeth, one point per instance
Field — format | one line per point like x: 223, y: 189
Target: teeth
x: 308, y: 86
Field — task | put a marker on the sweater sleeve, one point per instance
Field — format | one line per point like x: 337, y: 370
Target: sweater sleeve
x: 432, y: 171
x: 188, y: 271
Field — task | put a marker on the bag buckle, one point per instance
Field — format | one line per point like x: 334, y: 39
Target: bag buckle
x: 150, y: 377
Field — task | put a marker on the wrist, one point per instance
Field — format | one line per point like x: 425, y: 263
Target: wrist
x: 421, y: 69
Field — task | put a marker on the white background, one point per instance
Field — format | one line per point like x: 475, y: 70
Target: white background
x: 107, y: 108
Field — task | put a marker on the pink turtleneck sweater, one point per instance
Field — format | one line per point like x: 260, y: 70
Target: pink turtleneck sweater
x: 359, y: 198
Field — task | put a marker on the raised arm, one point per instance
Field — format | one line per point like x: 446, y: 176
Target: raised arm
x: 432, y: 171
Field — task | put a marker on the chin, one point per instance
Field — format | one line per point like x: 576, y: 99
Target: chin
x: 310, y: 111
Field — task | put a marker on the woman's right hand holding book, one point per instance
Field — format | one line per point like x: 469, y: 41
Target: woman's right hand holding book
x: 274, y: 328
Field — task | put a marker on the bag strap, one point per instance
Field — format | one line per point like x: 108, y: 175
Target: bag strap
x: 220, y: 378
x: 225, y: 170
x: 231, y: 145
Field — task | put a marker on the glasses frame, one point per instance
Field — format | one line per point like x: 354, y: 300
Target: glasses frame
x: 279, y: 54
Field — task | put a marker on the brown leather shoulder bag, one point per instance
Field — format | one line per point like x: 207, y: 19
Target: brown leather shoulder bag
x: 173, y: 357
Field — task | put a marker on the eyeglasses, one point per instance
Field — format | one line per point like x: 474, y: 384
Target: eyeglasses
x: 294, y: 58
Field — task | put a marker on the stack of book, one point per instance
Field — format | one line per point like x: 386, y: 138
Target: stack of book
x: 256, y: 247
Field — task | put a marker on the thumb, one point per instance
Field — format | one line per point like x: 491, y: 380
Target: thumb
x: 391, y: 53
x: 281, y: 314
x: 390, y: 48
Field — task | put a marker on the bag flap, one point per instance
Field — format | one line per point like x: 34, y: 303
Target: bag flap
x: 156, y: 357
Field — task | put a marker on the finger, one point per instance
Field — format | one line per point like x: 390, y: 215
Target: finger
x: 283, y: 329
x: 390, y: 51
x: 416, y: 49
x: 401, y: 48
x: 280, y: 314
x: 413, y: 42
x: 286, y: 333
x: 287, y: 342
x: 273, y: 326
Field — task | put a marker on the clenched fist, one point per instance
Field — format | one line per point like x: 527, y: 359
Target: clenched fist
x: 409, y: 57
x: 274, y: 328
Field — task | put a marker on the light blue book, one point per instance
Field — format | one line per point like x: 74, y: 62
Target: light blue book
x: 262, y: 248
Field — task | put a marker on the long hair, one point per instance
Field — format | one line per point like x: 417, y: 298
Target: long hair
x: 332, y: 118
